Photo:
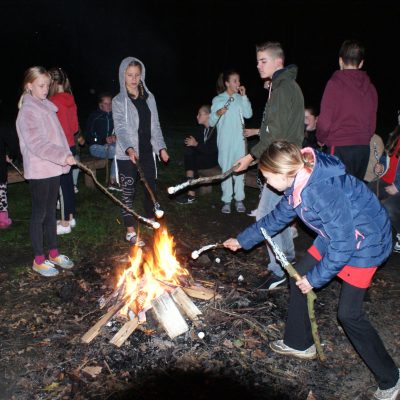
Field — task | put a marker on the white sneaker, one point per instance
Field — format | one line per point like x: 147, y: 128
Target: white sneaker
x: 388, y: 394
x: 62, y: 261
x: 133, y: 239
x: 72, y: 223
x: 46, y: 268
x: 62, y: 230
x: 240, y: 208
x: 279, y: 347
x: 226, y: 209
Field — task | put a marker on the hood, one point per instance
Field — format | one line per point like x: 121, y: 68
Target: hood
x: 122, y: 68
x: 289, y: 72
x: 353, y: 78
x: 66, y: 99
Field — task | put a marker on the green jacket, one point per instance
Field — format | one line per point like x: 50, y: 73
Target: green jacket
x: 283, y: 117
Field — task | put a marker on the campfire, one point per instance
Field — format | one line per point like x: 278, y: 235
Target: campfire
x: 154, y: 281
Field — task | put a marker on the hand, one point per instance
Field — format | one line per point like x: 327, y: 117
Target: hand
x: 251, y: 132
x: 378, y: 169
x: 221, y: 111
x: 304, y: 285
x: 392, y: 190
x: 191, y: 141
x: 132, y: 155
x: 164, y: 155
x: 8, y: 159
x: 242, y: 90
x: 70, y: 160
x: 244, y: 163
x: 232, y: 244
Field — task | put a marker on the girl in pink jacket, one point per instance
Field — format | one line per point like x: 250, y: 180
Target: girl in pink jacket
x: 46, y: 156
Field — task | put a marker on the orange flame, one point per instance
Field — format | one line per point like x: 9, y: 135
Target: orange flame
x: 144, y: 278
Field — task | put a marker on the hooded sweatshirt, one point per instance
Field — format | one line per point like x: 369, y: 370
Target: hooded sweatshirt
x: 348, y: 109
x: 126, y: 117
x: 67, y: 114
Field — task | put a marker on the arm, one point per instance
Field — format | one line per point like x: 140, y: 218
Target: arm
x: 121, y: 125
x: 246, y: 107
x: 158, y: 142
x: 326, y: 116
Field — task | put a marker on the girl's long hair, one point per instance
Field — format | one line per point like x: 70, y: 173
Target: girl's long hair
x: 59, y: 77
x: 30, y: 75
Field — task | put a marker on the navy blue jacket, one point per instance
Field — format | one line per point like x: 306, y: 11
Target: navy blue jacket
x: 99, y: 125
x: 352, y: 226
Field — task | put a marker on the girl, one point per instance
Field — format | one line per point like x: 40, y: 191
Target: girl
x: 60, y: 94
x: 139, y: 137
x: 228, y: 110
x: 353, y: 239
x: 46, y: 156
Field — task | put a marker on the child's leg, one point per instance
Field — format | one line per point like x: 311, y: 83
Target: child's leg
x: 149, y: 169
x: 364, y: 337
x: 50, y: 221
x: 3, y: 196
x: 298, y: 330
x: 127, y: 178
x: 67, y: 188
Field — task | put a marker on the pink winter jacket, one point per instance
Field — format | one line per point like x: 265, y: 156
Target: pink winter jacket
x: 44, y: 147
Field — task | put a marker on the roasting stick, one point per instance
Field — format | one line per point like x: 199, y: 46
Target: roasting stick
x: 204, y: 180
x: 153, y: 224
x: 196, y: 253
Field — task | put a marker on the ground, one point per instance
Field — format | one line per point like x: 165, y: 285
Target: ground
x: 42, y: 320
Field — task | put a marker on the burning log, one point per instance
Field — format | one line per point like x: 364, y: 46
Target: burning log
x: 200, y: 292
x: 186, y: 305
x: 123, y: 334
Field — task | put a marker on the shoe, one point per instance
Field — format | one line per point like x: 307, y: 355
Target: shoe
x: 62, y: 230
x: 240, y: 208
x: 132, y: 237
x: 279, y: 347
x: 46, y: 268
x: 5, y: 220
x: 62, y: 261
x: 396, y: 247
x: 226, y: 209
x: 76, y: 190
x: 295, y: 232
x: 274, y: 281
x: 114, y: 186
x: 186, y: 200
x: 72, y: 223
x: 388, y: 394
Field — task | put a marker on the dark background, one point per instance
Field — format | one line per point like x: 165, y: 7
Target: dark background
x: 185, y: 44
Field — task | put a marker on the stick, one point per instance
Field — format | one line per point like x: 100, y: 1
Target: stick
x: 311, y: 296
x: 17, y: 169
x: 123, y: 334
x: 204, y: 180
x: 196, y: 253
x: 153, y: 224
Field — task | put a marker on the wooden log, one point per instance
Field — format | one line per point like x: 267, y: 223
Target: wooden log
x: 185, y: 305
x: 169, y: 316
x: 123, y: 334
x: 200, y: 292
x: 95, y: 329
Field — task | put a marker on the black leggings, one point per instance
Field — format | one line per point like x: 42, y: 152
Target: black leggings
x: 128, y: 177
x: 44, y: 194
x: 355, y: 323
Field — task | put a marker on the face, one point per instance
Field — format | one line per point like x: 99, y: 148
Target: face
x: 267, y: 65
x: 280, y: 182
x: 233, y: 83
x: 105, y: 104
x: 202, y: 117
x: 39, y: 88
x: 133, y: 75
x: 310, y: 121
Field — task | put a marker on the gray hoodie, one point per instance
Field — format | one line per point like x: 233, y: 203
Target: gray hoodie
x: 126, y: 118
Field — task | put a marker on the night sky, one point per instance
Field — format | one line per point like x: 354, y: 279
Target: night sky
x: 185, y: 44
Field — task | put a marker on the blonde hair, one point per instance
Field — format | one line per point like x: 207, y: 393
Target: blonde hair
x: 285, y: 158
x: 30, y: 75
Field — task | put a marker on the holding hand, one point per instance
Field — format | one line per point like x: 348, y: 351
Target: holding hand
x: 392, y: 190
x: 251, y: 132
x: 70, y: 160
x: 244, y: 163
x: 191, y: 141
x: 242, y: 90
x: 8, y: 159
x: 232, y: 244
x: 221, y: 111
x: 132, y: 155
x: 304, y: 285
x: 164, y: 155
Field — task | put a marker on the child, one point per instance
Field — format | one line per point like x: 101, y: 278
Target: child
x: 46, y: 156
x: 353, y: 239
x: 60, y: 93
x: 228, y: 111
x: 139, y: 137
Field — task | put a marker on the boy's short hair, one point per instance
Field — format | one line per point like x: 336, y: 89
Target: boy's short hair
x: 352, y: 52
x: 274, y: 48
x: 103, y: 95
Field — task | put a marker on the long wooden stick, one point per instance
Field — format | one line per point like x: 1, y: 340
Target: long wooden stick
x: 311, y: 296
x: 153, y: 224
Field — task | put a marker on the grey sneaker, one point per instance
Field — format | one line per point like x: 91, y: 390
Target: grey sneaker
x: 388, y: 394
x: 226, y: 209
x: 279, y: 347
x: 240, y: 208
x: 62, y: 261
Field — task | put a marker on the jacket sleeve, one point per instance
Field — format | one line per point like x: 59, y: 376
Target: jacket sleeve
x: 89, y: 133
x: 215, y: 106
x: 157, y: 138
x: 121, y: 124
x: 246, y: 107
x: 326, y: 115
x: 274, y: 222
x: 333, y: 209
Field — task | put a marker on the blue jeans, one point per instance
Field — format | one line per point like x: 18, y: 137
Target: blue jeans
x: 284, y: 239
x: 104, y: 151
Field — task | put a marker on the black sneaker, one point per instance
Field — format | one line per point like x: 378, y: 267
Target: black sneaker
x: 186, y: 200
x: 273, y: 281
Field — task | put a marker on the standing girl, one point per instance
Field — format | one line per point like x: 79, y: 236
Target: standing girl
x: 139, y: 138
x: 46, y: 156
x: 60, y: 94
x: 228, y: 111
x: 353, y: 238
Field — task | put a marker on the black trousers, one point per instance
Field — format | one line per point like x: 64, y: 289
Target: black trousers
x: 128, y: 177
x: 354, y: 321
x: 355, y: 158
x: 43, y: 223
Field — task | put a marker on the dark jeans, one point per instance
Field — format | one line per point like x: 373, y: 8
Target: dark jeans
x: 44, y: 194
x: 67, y: 194
x: 128, y: 177
x: 355, y: 323
x: 355, y: 158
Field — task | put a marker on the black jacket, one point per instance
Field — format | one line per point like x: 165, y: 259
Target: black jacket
x: 8, y: 145
x: 99, y: 125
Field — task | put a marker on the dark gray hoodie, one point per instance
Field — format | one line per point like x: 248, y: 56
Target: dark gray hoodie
x: 126, y: 118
